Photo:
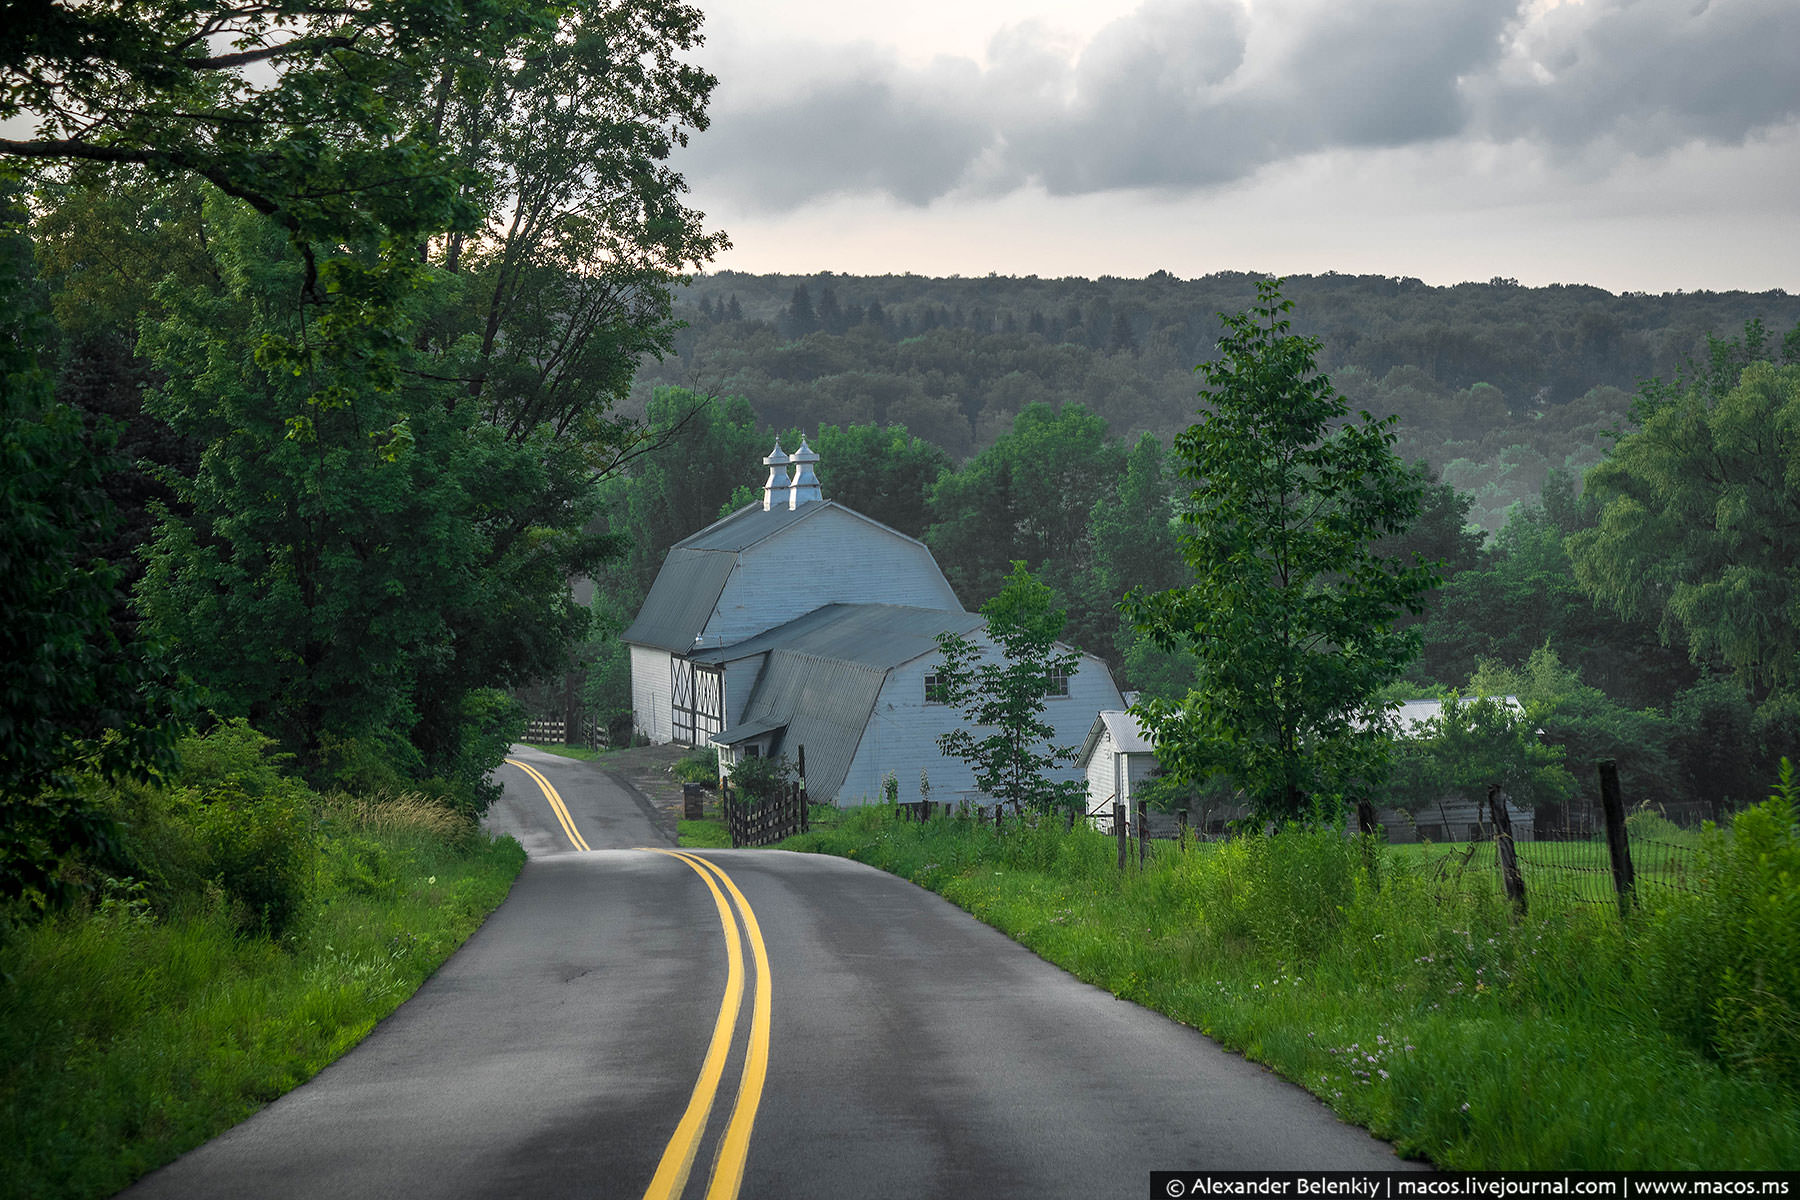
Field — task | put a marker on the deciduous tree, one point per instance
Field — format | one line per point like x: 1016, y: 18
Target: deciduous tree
x: 1291, y: 613
x: 1700, y: 525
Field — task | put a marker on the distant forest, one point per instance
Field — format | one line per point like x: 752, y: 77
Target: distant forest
x: 1495, y: 384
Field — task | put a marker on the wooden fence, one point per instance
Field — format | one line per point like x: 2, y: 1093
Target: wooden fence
x: 559, y: 731
x: 761, y: 822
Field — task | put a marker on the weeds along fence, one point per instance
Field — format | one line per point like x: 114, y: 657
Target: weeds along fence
x: 1640, y: 858
x: 752, y: 821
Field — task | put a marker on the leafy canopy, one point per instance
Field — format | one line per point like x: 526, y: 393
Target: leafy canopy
x: 1291, y: 614
x: 1700, y: 525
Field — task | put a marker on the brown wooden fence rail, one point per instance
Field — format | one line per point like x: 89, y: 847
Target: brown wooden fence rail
x: 761, y: 822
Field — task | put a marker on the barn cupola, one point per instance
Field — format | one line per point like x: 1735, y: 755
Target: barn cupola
x: 777, y: 491
x: 806, y: 484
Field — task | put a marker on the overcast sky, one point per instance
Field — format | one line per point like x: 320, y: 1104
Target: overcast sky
x: 1634, y: 144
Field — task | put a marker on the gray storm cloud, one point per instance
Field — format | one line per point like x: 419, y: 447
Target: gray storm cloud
x: 1184, y: 94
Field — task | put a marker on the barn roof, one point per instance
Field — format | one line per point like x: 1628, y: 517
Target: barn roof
x: 681, y: 600
x: 694, y: 575
x: 870, y: 635
x: 823, y: 674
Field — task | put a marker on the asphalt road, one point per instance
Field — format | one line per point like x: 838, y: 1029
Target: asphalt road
x: 585, y: 1042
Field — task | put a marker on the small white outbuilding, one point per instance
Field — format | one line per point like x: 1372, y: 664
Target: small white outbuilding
x: 1118, y: 759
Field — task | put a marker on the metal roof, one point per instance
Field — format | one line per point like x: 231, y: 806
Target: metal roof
x: 823, y: 674
x: 825, y: 705
x: 868, y: 635
x: 1411, y: 716
x: 743, y: 731
x: 1128, y: 737
x: 681, y: 600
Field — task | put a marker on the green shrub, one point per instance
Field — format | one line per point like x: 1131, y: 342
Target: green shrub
x: 1723, y: 965
x: 700, y: 765
x: 254, y: 828
x: 360, y: 866
x: 760, y: 778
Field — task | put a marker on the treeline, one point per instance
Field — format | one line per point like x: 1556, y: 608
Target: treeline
x: 1496, y: 384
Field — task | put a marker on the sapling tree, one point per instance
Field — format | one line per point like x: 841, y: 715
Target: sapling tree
x: 1006, y: 698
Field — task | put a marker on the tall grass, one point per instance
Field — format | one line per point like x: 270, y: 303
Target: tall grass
x: 138, y: 1027
x: 1429, y: 1014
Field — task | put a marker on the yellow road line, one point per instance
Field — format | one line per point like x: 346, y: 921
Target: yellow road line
x: 678, y: 1159
x: 557, y: 806
x: 734, y: 1144
x: 734, y: 1148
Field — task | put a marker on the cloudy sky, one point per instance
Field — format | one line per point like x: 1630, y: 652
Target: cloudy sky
x: 1635, y: 144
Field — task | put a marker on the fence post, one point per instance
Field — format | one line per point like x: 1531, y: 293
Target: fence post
x: 1612, y: 805
x: 1119, y: 830
x: 1181, y: 830
x: 1503, y: 844
x: 1143, y: 832
x: 1070, y: 827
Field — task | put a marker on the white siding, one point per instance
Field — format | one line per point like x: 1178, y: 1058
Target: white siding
x: 651, y: 698
x: 830, y: 558
x: 1100, y: 775
x: 902, y: 733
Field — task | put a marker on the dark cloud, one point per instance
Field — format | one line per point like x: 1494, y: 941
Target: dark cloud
x: 1649, y: 74
x: 1184, y: 94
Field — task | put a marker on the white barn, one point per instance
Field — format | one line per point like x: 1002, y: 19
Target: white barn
x: 801, y: 623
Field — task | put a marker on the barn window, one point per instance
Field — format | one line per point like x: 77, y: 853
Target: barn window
x: 936, y: 692
x: 1059, y: 682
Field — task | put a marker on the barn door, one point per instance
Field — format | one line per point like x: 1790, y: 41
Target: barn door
x: 698, y: 700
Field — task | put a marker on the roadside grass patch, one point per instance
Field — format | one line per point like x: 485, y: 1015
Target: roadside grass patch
x: 158, y: 1017
x: 702, y: 835
x: 1428, y: 1014
x: 578, y: 753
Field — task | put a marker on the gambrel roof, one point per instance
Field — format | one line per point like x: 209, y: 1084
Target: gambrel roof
x: 694, y: 576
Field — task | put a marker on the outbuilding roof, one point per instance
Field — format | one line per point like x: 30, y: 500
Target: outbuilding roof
x: 1127, y: 736
x: 823, y: 675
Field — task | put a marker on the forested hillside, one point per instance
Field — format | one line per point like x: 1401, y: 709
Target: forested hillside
x: 1495, y: 384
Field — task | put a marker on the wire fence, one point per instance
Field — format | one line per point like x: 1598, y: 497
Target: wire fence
x: 1561, y: 875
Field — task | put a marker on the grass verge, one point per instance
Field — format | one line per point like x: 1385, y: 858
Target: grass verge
x: 1437, y: 1021
x: 703, y: 835
x: 131, y: 1036
x: 578, y: 753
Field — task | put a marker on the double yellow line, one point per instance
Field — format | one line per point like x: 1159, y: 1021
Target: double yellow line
x: 556, y: 804
x: 734, y: 1146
